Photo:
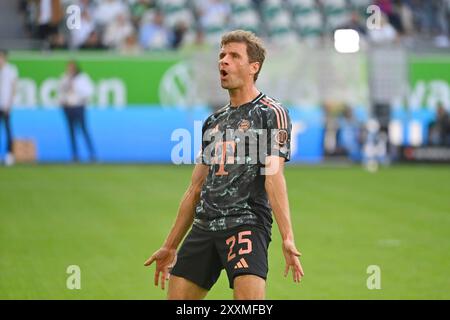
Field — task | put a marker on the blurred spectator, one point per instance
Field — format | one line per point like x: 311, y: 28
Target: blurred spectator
x: 349, y: 135
x: 49, y: 15
x: 431, y: 15
x: 384, y: 34
x: 213, y: 13
x: 355, y: 23
x: 153, y: 34
x: 58, y: 41
x: 117, y: 31
x: 196, y: 44
x: 331, y: 127
x: 407, y: 17
x: 8, y: 83
x: 441, y: 31
x: 25, y: 8
x: 88, y: 5
x: 397, y: 13
x: 439, y: 130
x: 130, y: 46
x: 75, y: 90
x: 86, y: 36
x: 138, y: 9
x: 179, y: 33
x: 108, y: 10
x: 385, y: 6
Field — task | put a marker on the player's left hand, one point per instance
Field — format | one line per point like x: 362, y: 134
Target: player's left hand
x: 291, y: 255
x: 165, y: 259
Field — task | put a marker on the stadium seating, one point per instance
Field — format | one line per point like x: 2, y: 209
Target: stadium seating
x: 360, y: 6
x: 248, y: 20
x: 302, y: 7
x: 336, y: 13
x: 240, y: 6
x: 308, y: 20
x: 278, y: 22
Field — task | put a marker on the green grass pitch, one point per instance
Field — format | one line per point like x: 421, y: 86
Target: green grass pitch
x: 109, y: 219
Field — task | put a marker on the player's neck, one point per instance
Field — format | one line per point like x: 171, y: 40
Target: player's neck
x: 242, y: 96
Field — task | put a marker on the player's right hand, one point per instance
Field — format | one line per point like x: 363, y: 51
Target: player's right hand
x: 165, y: 259
x: 292, y: 255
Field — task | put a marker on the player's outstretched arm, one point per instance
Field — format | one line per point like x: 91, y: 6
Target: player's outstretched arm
x: 165, y: 257
x: 277, y: 192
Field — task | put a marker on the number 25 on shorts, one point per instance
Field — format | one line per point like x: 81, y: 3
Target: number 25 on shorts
x: 231, y: 241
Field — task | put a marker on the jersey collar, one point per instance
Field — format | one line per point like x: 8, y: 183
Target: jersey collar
x: 258, y: 97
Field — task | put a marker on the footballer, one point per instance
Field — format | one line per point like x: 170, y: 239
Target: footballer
x: 237, y: 183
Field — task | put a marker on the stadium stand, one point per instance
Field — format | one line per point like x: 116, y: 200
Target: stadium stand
x: 178, y: 23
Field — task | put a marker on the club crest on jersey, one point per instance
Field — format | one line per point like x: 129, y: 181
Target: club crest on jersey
x: 244, y: 125
x: 281, y: 137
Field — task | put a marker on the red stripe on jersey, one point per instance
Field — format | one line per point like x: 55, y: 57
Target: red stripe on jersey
x: 282, y: 111
x: 280, y: 119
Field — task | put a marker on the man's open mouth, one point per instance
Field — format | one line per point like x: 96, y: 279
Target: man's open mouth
x: 223, y: 73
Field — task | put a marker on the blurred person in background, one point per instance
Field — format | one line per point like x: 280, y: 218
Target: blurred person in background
x: 75, y: 90
x: 138, y: 10
x: 355, y: 23
x: 213, y: 13
x: 392, y: 9
x: 86, y: 37
x: 49, y: 15
x: 88, y: 5
x: 439, y: 129
x: 179, y: 33
x: 108, y: 10
x: 197, y: 44
x: 8, y: 83
x: 58, y: 41
x: 442, y: 17
x: 385, y: 34
x: 130, y: 46
x: 153, y: 34
x: 349, y: 135
x: 406, y: 16
x: 117, y: 31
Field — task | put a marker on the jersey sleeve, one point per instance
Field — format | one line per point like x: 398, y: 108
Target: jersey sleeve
x: 279, y: 129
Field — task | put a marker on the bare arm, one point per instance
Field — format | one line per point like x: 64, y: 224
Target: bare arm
x: 276, y: 189
x: 186, y: 210
x: 165, y: 257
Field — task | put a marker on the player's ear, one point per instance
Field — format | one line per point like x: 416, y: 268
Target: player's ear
x: 254, y: 68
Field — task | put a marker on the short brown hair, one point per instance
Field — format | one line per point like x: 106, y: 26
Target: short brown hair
x: 255, y: 48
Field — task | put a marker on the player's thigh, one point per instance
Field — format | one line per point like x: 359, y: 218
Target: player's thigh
x: 183, y: 289
x: 249, y: 287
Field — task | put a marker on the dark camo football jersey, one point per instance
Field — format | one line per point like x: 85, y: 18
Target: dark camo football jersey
x: 235, y: 142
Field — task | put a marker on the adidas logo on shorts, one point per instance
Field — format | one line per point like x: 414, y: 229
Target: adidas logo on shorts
x: 241, y: 264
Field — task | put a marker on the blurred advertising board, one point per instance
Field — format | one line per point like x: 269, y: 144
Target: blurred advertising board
x: 118, y: 81
x: 429, y: 81
x: 145, y: 135
x: 295, y: 76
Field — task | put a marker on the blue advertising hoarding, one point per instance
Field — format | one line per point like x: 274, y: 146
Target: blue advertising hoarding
x: 144, y: 135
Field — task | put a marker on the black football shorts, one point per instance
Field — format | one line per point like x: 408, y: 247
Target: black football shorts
x: 241, y: 250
